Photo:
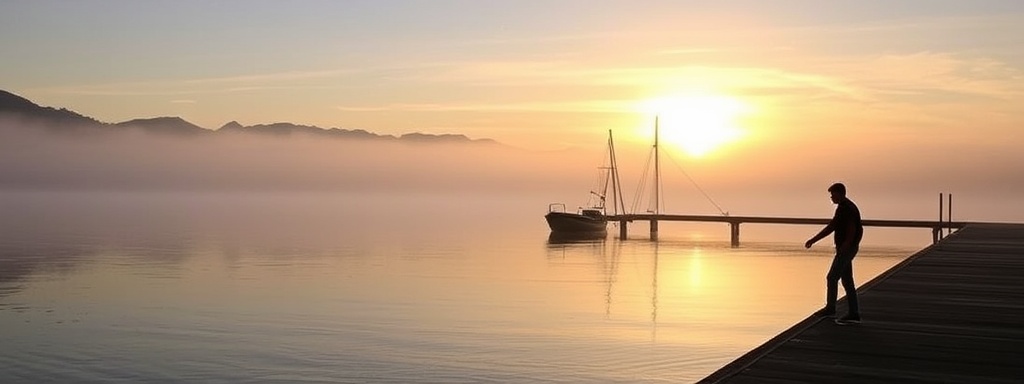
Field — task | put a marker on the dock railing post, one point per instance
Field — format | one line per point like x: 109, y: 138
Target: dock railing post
x: 734, y: 237
x: 654, y: 229
x: 622, y: 230
x: 941, y: 201
x: 949, y: 215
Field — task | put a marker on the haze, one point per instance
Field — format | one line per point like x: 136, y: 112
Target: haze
x: 901, y: 101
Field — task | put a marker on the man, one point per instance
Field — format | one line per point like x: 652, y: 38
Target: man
x: 848, y: 232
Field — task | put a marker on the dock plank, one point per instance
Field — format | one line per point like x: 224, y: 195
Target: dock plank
x: 953, y: 312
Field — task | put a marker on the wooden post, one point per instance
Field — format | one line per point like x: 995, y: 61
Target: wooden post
x: 654, y: 229
x: 622, y: 229
x: 941, y: 200
x: 734, y: 229
x: 949, y: 214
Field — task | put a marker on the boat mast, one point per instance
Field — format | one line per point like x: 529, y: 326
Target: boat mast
x: 657, y: 170
x: 616, y: 184
x: 657, y: 184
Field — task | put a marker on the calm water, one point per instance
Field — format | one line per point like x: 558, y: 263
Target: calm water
x: 192, y: 287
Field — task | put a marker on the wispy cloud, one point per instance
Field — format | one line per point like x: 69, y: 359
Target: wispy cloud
x: 207, y: 85
x: 650, y: 79
x: 555, y: 106
x: 930, y: 72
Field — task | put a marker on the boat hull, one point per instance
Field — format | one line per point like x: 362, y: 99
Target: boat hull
x: 575, y: 223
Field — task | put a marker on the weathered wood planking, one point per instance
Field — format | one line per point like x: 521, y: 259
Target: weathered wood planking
x: 952, y: 313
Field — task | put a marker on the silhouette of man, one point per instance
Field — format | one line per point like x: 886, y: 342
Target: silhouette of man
x: 848, y: 232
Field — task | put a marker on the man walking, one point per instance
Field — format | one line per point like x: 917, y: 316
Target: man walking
x: 848, y: 232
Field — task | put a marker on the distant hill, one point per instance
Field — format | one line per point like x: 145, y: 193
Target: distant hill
x: 64, y: 120
x: 445, y: 138
x: 165, y: 125
x: 52, y: 118
x: 288, y: 129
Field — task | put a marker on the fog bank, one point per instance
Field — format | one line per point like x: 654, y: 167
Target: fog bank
x: 33, y: 159
x: 889, y: 180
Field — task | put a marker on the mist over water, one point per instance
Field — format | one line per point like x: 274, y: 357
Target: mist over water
x: 364, y: 287
x: 143, y: 257
x: 753, y: 182
x: 35, y: 159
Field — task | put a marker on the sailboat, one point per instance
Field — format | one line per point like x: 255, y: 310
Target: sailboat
x: 593, y: 219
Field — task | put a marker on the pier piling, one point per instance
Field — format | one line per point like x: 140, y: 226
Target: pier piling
x: 734, y: 231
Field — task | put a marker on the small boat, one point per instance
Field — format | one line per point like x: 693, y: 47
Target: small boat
x: 592, y: 219
x: 586, y: 220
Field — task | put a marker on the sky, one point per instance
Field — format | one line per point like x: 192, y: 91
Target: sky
x: 918, y: 94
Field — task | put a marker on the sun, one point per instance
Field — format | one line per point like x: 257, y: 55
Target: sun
x: 697, y: 124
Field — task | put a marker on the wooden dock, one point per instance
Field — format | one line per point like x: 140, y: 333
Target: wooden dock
x: 735, y: 221
x: 952, y: 313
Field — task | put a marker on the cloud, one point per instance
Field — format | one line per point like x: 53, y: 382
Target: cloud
x: 208, y: 85
x: 568, y: 106
x: 924, y: 72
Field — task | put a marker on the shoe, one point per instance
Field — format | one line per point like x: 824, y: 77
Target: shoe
x: 848, y: 320
x: 824, y: 313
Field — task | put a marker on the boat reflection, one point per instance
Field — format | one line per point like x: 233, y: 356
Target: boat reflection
x: 560, y: 238
x: 634, y: 291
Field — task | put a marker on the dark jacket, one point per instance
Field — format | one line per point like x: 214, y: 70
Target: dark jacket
x: 847, y: 213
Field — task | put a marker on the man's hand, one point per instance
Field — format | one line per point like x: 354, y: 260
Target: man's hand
x: 809, y: 243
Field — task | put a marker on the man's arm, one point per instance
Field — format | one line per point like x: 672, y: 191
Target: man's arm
x: 831, y: 227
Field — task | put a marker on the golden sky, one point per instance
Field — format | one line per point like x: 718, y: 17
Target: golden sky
x: 901, y: 88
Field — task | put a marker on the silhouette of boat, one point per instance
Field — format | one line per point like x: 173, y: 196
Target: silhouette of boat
x: 586, y: 220
x: 591, y: 219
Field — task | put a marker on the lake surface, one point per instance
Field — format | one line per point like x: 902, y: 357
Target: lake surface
x: 382, y: 288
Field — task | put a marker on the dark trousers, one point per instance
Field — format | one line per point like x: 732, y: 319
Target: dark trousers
x: 842, y: 271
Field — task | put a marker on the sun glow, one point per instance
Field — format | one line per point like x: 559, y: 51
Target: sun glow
x: 697, y: 124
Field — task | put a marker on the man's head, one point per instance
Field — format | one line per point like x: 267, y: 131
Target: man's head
x: 838, y: 192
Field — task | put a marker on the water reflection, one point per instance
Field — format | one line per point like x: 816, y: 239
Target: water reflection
x: 684, y: 291
x: 597, y: 249
x: 19, y: 261
x: 166, y: 287
x: 654, y: 294
x: 561, y: 238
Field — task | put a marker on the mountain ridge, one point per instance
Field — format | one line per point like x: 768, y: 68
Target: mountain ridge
x: 65, y: 121
x: 51, y: 117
